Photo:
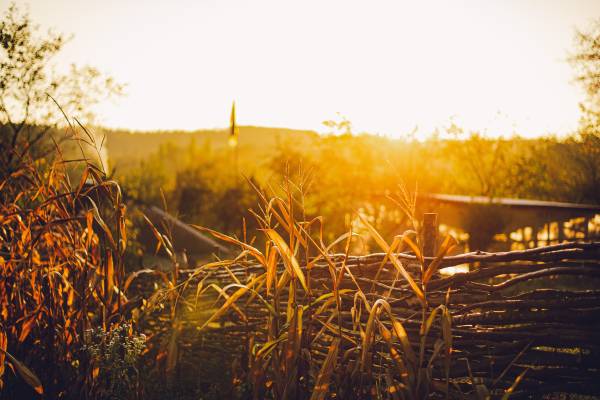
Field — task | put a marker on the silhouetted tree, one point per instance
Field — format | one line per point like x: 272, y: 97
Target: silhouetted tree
x: 27, y: 112
x: 584, y: 151
x: 586, y: 61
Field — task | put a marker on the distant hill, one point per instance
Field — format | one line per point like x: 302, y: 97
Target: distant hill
x: 125, y: 147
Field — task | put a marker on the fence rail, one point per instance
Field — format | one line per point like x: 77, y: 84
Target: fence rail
x: 536, y: 310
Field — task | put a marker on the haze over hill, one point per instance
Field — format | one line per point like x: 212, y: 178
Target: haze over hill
x: 126, y: 147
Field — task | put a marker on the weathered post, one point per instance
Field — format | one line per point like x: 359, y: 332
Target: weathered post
x: 561, y: 231
x: 430, y: 231
x: 534, y: 236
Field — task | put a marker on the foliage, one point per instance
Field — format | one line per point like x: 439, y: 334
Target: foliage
x: 62, y: 268
x: 586, y: 62
x: 115, y: 355
x: 28, y: 87
x: 279, y: 365
x: 353, y: 173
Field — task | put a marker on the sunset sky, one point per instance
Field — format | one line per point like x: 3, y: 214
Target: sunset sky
x: 388, y: 66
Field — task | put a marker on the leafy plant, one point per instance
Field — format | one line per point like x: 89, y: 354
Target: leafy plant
x: 114, y: 357
x: 61, y: 258
x: 28, y: 115
x: 302, y: 309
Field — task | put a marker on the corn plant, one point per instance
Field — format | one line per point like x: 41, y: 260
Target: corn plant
x: 168, y: 296
x: 61, y: 268
x: 302, y: 312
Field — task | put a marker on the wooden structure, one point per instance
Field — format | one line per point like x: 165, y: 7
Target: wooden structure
x: 506, y: 223
x: 536, y: 310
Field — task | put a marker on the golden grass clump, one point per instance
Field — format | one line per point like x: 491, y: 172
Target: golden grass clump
x: 61, y: 271
x: 323, y: 333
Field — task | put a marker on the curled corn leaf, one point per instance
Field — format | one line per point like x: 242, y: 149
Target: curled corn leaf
x: 322, y: 385
x: 288, y: 256
x: 28, y: 376
x: 382, y: 243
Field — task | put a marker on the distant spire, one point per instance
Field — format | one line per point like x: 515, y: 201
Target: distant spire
x: 233, y: 134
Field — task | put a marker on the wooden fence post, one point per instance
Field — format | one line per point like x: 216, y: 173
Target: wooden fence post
x: 561, y: 231
x: 430, y: 232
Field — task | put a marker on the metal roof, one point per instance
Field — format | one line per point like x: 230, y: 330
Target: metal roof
x: 518, y: 203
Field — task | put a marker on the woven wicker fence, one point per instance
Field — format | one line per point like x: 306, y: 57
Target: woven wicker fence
x: 536, y: 309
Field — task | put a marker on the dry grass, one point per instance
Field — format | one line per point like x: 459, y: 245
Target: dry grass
x: 61, y: 269
x: 299, y: 315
